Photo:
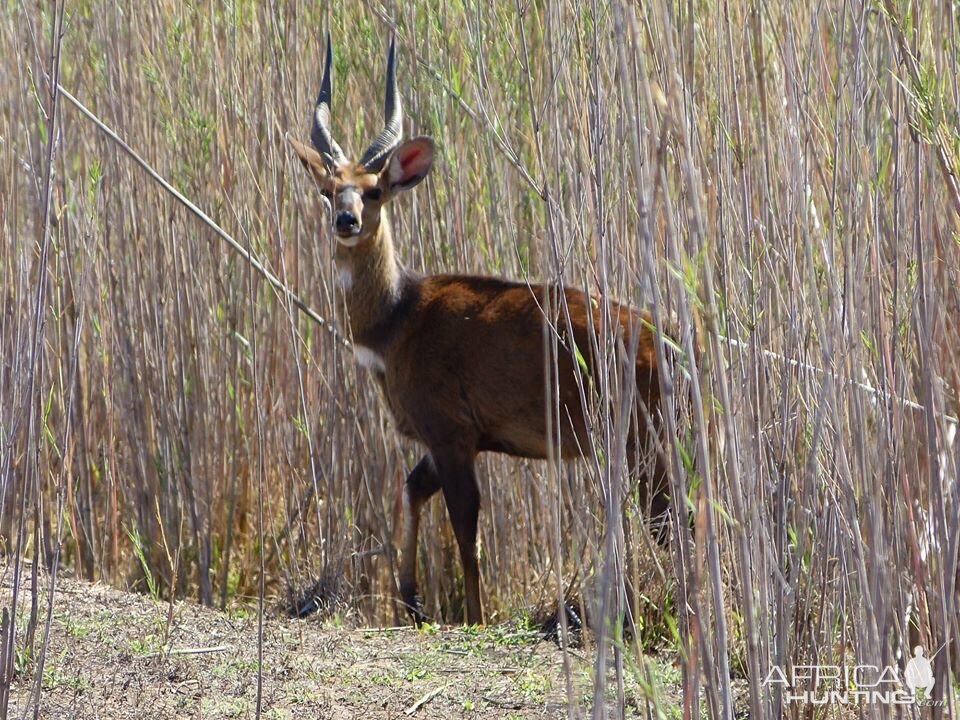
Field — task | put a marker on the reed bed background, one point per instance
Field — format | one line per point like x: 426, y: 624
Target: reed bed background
x: 778, y: 177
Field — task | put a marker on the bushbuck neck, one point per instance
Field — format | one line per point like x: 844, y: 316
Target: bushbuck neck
x: 370, y: 278
x: 459, y: 358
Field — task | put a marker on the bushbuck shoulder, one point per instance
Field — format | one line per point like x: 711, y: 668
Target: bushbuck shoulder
x: 459, y: 358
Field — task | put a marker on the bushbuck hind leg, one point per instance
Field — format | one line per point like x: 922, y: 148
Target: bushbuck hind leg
x: 422, y: 482
x: 647, y: 494
x: 655, y: 494
x: 647, y: 465
x: 462, y: 494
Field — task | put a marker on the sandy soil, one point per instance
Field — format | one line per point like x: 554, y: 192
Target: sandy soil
x: 120, y: 655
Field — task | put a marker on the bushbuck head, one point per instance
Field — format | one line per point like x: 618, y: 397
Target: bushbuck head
x: 358, y: 190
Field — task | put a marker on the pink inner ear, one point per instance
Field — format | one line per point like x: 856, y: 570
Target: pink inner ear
x: 409, y: 155
x: 407, y: 163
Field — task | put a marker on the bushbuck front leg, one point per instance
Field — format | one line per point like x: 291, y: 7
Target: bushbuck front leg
x: 463, y: 503
x: 421, y: 484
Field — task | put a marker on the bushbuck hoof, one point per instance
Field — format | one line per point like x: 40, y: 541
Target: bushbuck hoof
x: 416, y: 612
x: 414, y: 606
x: 551, y: 627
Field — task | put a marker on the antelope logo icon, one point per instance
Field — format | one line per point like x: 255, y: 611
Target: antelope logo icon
x: 918, y: 674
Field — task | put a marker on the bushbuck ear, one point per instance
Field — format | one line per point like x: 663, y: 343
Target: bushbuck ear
x: 410, y: 163
x: 310, y: 158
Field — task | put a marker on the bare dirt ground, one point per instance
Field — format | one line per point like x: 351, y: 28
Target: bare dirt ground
x: 118, y: 655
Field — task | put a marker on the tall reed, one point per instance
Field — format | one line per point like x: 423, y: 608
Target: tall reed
x: 777, y: 179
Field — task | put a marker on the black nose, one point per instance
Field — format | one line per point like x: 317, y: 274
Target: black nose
x: 347, y: 222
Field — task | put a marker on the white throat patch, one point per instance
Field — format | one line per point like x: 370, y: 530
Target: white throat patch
x: 345, y: 279
x: 368, y: 359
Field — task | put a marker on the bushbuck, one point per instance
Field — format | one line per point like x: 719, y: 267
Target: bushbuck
x: 459, y: 358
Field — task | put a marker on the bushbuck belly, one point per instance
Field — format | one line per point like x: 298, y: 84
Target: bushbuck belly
x: 470, y: 368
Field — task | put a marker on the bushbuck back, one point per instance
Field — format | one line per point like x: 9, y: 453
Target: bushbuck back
x: 459, y: 358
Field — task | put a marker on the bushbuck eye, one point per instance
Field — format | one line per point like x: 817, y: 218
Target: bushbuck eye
x: 373, y: 193
x: 326, y: 193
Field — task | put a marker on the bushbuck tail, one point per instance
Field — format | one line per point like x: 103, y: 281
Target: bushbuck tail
x: 459, y: 358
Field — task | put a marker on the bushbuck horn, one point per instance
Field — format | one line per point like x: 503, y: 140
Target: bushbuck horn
x: 320, y: 134
x: 381, y: 147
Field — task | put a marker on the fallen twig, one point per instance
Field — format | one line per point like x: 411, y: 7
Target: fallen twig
x: 505, y: 704
x: 423, y: 701
x: 189, y: 651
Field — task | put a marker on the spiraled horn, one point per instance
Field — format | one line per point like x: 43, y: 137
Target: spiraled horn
x: 320, y: 134
x: 380, y: 149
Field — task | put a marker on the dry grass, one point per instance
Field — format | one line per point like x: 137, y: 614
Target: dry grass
x: 784, y: 175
